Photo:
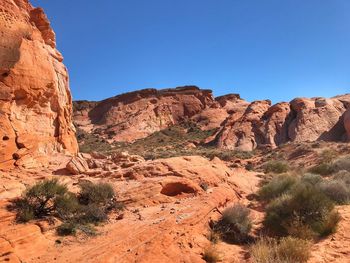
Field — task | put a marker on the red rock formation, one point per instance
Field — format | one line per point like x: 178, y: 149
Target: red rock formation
x: 242, y: 129
x: 300, y: 120
x: 241, y: 125
x: 316, y: 119
x: 138, y: 114
x: 35, y: 100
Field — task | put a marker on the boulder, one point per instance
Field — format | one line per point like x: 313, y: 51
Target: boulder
x: 77, y: 165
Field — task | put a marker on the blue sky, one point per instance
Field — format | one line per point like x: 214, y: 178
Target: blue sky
x: 262, y: 49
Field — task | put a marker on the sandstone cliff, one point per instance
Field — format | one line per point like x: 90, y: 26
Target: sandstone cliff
x: 138, y: 114
x: 240, y: 124
x: 35, y: 100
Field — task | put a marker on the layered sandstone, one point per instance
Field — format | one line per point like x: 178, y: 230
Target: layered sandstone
x: 301, y: 120
x: 135, y: 115
x: 239, y: 124
x: 165, y: 220
x: 35, y: 100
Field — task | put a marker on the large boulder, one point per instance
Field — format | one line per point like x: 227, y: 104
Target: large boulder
x: 35, y: 100
x: 77, y: 165
x: 316, y: 119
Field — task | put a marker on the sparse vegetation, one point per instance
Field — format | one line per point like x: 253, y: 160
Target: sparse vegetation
x: 276, y: 187
x: 304, y: 203
x: 50, y: 198
x: 211, y: 254
x: 342, y: 164
x: 170, y: 142
x: 40, y: 200
x: 322, y: 169
x: 277, y: 167
x: 286, y: 250
x: 235, y: 224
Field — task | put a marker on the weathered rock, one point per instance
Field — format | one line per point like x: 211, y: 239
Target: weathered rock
x: 316, y: 119
x: 242, y: 130
x: 35, y: 100
x: 300, y: 120
x: 77, y: 165
x: 135, y: 115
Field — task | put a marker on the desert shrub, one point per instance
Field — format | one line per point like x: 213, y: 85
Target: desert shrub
x: 277, y: 167
x: 328, y: 225
x: 39, y: 200
x: 276, y: 187
x: 211, y: 255
x: 92, y: 213
x: 322, y: 169
x: 100, y: 193
x: 304, y: 202
x: 287, y: 250
x: 343, y: 176
x: 67, y: 229
x: 67, y: 206
x: 328, y: 155
x: 336, y: 190
x: 312, y: 179
x: 293, y: 249
x: 234, y: 224
x: 342, y: 164
x: 51, y: 198
x: 296, y: 228
x: 213, y: 236
x: 25, y: 213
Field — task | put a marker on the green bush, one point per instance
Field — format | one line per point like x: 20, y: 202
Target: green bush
x: 277, y: 167
x: 304, y: 202
x: 342, y: 164
x: 234, y: 224
x: 322, y: 169
x: 336, y: 190
x: 343, y: 176
x: 276, y: 187
x: 312, y: 179
x: 99, y: 194
x: 39, y: 200
x: 287, y: 250
x: 51, y: 198
x: 67, y: 229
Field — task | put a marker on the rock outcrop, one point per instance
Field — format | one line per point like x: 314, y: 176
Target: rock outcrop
x: 135, y: 115
x: 239, y: 124
x: 35, y: 100
x: 300, y: 120
x: 169, y: 203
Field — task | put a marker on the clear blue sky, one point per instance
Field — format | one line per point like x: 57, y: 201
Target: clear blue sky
x: 276, y: 49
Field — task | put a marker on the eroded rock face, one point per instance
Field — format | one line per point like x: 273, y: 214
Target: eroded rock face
x: 35, y: 100
x: 135, y: 115
x: 301, y: 120
x: 316, y: 119
x: 242, y: 129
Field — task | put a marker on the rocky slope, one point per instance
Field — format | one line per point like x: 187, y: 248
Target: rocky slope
x: 240, y: 124
x: 35, y: 100
x: 166, y: 217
